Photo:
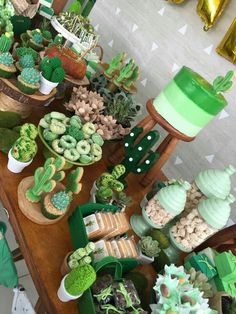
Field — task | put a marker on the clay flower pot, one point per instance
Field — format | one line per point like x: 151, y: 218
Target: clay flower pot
x: 64, y: 266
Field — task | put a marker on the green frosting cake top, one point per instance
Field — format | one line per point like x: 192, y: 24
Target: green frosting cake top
x: 201, y: 92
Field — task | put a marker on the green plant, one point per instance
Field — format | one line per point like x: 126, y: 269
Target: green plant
x: 81, y: 256
x: 21, y: 51
x: 52, y: 69
x: 126, y: 72
x: 47, y: 34
x: 200, y: 281
x: 24, y: 149
x: 5, y: 43
x: 138, y: 155
x: 122, y: 199
x: 37, y: 38
x: 59, y: 164
x: 30, y: 76
x: 80, y: 279
x: 61, y: 200
x: 149, y: 246
x: 122, y: 108
x: 27, y: 61
x: 128, y: 82
x: 6, y: 59
x: 115, y: 64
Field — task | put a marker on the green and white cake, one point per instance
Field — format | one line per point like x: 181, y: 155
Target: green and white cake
x: 189, y: 102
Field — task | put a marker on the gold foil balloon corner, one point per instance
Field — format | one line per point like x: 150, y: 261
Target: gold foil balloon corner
x: 227, y: 47
x: 210, y: 11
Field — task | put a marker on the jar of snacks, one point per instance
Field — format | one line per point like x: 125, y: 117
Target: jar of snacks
x: 202, y: 222
x: 166, y: 204
x: 209, y: 183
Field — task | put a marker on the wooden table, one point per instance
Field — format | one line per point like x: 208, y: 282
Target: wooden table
x: 44, y: 247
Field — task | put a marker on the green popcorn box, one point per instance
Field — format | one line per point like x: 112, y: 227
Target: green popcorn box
x: 226, y: 266
x: 210, y: 253
x: 201, y: 262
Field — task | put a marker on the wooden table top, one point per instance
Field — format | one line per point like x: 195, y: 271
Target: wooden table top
x: 44, y: 247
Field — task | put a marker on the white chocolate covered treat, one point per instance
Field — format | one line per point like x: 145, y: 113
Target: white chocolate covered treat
x: 192, y: 230
x: 156, y: 213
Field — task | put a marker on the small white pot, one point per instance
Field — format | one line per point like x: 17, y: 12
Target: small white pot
x: 144, y: 259
x: 16, y: 166
x: 63, y: 295
x: 93, y: 193
x: 46, y: 86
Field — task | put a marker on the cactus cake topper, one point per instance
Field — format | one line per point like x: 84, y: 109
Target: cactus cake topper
x: 222, y: 84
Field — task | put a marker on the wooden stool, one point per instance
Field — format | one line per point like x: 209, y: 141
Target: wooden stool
x: 165, y: 149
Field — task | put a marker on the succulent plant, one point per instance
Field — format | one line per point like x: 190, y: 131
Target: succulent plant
x: 47, y: 35
x: 37, y: 38
x: 27, y: 61
x: 21, y: 51
x: 24, y: 149
x: 30, y: 76
x: 200, y: 281
x: 149, y: 246
x: 6, y: 59
x: 122, y: 199
x: 52, y: 69
x: 61, y: 200
x: 5, y: 43
x: 80, y: 279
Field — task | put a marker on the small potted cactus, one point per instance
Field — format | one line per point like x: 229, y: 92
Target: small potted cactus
x: 106, y: 184
x: 76, y: 282
x: 56, y: 204
x: 5, y: 43
x: 7, y: 68
x: 77, y: 258
x: 26, y: 61
x: 36, y: 40
x: 24, y: 149
x: 148, y: 249
x: 52, y: 73
x: 28, y: 80
x: 47, y: 37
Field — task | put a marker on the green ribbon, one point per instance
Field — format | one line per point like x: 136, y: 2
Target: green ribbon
x: 128, y: 298
x: 204, y: 260
x: 104, y: 294
x: 108, y: 307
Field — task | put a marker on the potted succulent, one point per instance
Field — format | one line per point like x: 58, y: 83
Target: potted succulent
x: 28, y: 80
x: 76, y: 282
x: 56, y: 204
x: 24, y: 149
x: 148, y: 249
x: 77, y: 258
x: 7, y: 68
x: 36, y: 40
x: 21, y: 51
x: 121, y: 200
x: 52, y: 73
x: 106, y: 184
x: 26, y: 61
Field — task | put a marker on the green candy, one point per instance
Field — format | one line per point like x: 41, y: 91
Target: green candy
x: 97, y: 139
x: 85, y: 159
x: 49, y: 136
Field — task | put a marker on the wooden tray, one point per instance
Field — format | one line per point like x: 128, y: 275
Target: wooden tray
x: 74, y: 81
x: 12, y: 99
x: 33, y: 210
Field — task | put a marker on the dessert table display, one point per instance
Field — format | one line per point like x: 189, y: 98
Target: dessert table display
x: 79, y: 239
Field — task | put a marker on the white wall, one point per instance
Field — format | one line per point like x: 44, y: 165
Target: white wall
x: 154, y: 41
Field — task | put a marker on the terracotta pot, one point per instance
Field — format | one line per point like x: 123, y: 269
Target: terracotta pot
x: 72, y: 64
x: 64, y: 266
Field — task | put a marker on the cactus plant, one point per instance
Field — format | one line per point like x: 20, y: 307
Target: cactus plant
x: 149, y: 247
x: 52, y: 69
x: 29, y: 130
x: 21, y: 51
x: 61, y: 200
x: 80, y: 279
x: 125, y: 73
x: 81, y: 256
x: 36, y: 41
x: 47, y: 35
x: 6, y: 59
x: 138, y: 157
x: 59, y: 164
x: 115, y: 64
x: 27, y: 61
x: 222, y: 84
x: 28, y: 80
x: 5, y: 43
x: 128, y: 82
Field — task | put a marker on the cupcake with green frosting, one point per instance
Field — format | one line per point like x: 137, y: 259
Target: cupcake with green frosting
x: 28, y: 80
x: 7, y: 68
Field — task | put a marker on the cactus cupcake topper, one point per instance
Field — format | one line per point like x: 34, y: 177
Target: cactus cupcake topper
x: 222, y: 84
x: 5, y: 43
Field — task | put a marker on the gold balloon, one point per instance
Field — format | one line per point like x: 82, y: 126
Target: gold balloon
x: 210, y: 11
x: 227, y: 47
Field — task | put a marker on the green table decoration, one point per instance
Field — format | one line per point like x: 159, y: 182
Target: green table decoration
x: 220, y: 285
x: 201, y: 262
x: 210, y: 253
x: 226, y: 266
